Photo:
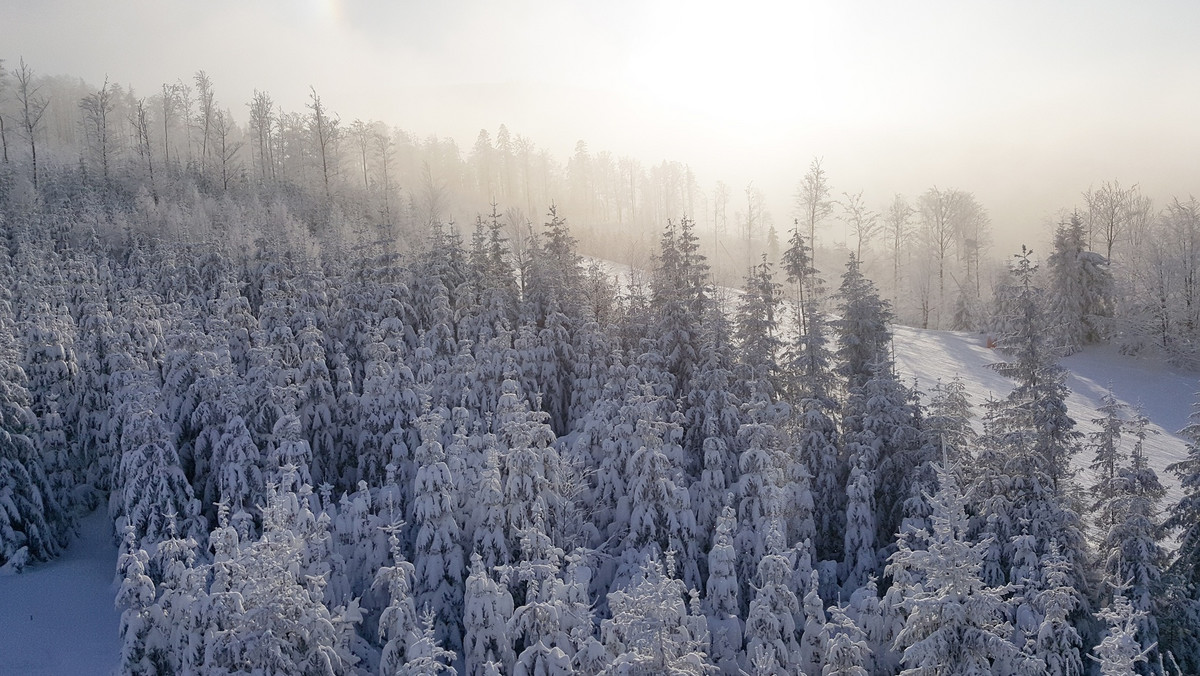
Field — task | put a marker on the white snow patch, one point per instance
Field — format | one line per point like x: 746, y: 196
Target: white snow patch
x: 1164, y: 395
x: 58, y: 617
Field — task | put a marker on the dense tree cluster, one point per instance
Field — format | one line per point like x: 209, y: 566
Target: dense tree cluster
x: 325, y: 452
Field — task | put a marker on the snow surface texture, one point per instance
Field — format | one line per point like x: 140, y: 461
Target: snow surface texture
x: 1164, y: 395
x: 58, y: 617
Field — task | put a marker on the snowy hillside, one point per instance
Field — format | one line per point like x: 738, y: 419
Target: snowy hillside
x: 1165, y: 395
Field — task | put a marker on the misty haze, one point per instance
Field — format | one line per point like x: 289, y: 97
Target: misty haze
x: 535, y: 338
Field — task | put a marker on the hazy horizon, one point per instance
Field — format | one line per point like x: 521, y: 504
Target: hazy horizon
x: 1023, y: 104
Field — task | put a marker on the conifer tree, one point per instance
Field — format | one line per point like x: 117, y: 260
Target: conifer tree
x: 32, y: 524
x: 956, y: 624
x: 437, y: 555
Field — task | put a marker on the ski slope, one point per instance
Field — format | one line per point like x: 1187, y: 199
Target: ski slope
x: 58, y: 617
x: 1164, y: 395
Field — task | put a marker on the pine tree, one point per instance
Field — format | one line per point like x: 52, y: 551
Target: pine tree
x: 1120, y: 653
x: 756, y: 329
x: 32, y: 524
x: 486, y: 610
x: 1179, y: 633
x: 437, y: 555
x: 1081, y: 286
x: 864, y: 339
x: 848, y: 653
x: 721, y: 599
x: 956, y: 623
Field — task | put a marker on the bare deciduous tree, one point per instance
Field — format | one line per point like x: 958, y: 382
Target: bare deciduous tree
x: 952, y: 222
x: 812, y: 200
x: 1113, y: 211
x: 897, y: 223
x: 206, y: 114
x: 3, y: 132
x: 862, y: 221
x: 96, y: 108
x: 32, y: 109
x: 261, y: 123
x: 140, y: 120
x: 227, y: 145
x: 325, y: 133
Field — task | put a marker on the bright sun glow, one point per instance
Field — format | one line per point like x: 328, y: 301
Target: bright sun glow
x: 757, y: 66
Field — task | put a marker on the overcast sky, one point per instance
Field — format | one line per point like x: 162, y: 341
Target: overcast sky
x: 1023, y: 103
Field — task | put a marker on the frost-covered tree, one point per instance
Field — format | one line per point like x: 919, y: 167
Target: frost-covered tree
x: 1057, y: 643
x: 847, y: 651
x: 486, y: 611
x: 814, y: 642
x: 863, y: 335
x: 426, y: 656
x: 398, y: 623
x: 721, y: 599
x: 1182, y: 603
x: 756, y: 329
x: 649, y: 629
x: 1120, y: 653
x: 956, y: 624
x: 438, y: 557
x: 1080, y: 284
x: 770, y: 621
x: 33, y: 527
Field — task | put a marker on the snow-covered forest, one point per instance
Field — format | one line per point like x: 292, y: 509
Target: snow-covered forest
x: 338, y: 428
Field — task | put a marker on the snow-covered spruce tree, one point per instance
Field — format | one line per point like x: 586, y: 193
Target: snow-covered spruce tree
x: 1107, y: 460
x: 956, y: 624
x: 32, y: 524
x: 486, y: 611
x: 316, y: 404
x: 289, y: 448
x: 948, y: 431
x: 1135, y: 554
x: 661, y: 518
x: 847, y: 651
x: 679, y: 300
x: 154, y: 491
x: 814, y: 642
x: 1120, y: 653
x: 53, y: 372
x: 398, y: 623
x: 236, y: 476
x: 758, y: 488
x: 771, y: 621
x: 863, y: 337
x: 711, y: 414
x: 1081, y: 286
x: 797, y: 264
x: 278, y: 622
x: 649, y: 629
x: 437, y: 556
x: 1022, y: 475
x: 1178, y: 626
x: 1057, y: 643
x: 756, y: 331
x: 142, y: 639
x: 721, y: 599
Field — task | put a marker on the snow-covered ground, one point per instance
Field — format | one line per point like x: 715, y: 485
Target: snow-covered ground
x: 58, y: 617
x: 1165, y: 395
